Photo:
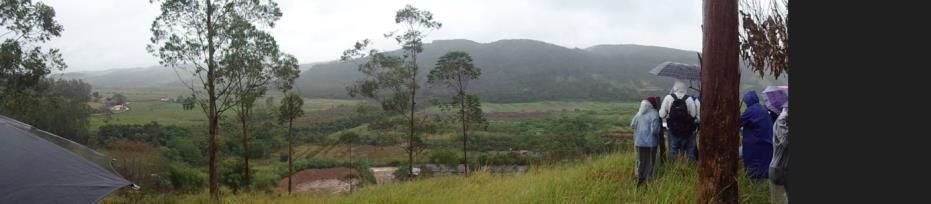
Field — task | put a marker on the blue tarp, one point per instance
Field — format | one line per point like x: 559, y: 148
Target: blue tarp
x: 39, y: 167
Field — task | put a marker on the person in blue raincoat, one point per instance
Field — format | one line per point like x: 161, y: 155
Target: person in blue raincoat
x: 757, y: 127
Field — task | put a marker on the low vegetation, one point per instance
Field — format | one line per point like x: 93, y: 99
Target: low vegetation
x: 602, y: 179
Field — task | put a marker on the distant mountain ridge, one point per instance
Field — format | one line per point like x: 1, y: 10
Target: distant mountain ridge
x: 514, y: 70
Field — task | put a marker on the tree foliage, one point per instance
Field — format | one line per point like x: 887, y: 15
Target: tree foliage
x: 291, y: 108
x: 57, y: 106
x: 117, y: 99
x: 26, y: 25
x: 217, y: 42
x: 151, y: 133
x: 455, y: 70
x: 764, y: 38
x: 392, y: 74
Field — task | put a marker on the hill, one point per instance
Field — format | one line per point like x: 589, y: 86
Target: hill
x: 140, y: 77
x: 529, y: 70
x: 517, y: 70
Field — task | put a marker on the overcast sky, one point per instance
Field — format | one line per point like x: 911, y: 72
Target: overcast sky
x: 107, y: 34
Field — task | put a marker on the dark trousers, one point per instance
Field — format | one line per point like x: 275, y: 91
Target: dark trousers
x: 683, y: 146
x: 661, y: 145
x: 646, y: 159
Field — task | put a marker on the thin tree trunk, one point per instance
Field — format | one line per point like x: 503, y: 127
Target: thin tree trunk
x: 465, y: 139
x: 465, y: 135
x: 719, y: 111
x: 245, y: 144
x: 212, y: 110
x: 410, y: 140
x: 290, y: 153
x: 350, y: 167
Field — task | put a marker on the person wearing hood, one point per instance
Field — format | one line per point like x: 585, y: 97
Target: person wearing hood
x: 680, y: 112
x: 757, y: 134
x: 659, y: 135
x: 779, y: 167
x: 646, y: 124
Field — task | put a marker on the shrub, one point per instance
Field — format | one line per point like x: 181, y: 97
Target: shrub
x: 140, y: 163
x: 265, y: 181
x: 445, y: 157
x: 232, y: 172
x: 186, y: 179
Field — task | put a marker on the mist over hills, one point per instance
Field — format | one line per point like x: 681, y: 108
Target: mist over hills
x: 515, y: 70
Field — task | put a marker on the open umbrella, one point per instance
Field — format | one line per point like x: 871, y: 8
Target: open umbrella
x: 678, y: 70
x: 681, y: 71
x: 775, y: 96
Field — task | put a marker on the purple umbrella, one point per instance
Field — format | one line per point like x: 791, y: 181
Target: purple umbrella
x: 775, y: 97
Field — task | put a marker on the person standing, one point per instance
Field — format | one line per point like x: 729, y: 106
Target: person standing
x: 756, y: 124
x: 779, y: 167
x: 645, y: 124
x: 680, y: 113
x: 659, y: 135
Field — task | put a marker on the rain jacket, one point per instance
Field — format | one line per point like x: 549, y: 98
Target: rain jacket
x: 781, y: 142
x: 646, y: 125
x: 757, y: 137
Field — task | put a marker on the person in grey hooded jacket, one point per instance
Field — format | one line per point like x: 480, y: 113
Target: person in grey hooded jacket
x: 646, y: 125
x: 778, y: 168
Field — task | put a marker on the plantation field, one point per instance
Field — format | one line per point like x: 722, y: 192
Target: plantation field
x: 378, y: 155
x: 505, y: 121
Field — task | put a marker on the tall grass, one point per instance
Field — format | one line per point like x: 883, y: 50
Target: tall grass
x: 608, y: 179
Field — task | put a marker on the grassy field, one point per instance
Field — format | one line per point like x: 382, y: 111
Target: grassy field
x: 144, y: 111
x: 607, y: 179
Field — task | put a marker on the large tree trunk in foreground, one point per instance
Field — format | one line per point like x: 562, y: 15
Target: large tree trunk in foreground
x: 720, y: 104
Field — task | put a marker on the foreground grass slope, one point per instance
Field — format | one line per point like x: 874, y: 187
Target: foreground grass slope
x: 609, y: 179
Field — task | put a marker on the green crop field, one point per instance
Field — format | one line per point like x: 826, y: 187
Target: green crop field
x: 150, y: 109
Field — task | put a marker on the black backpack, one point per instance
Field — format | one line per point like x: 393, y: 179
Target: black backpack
x: 680, y: 122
